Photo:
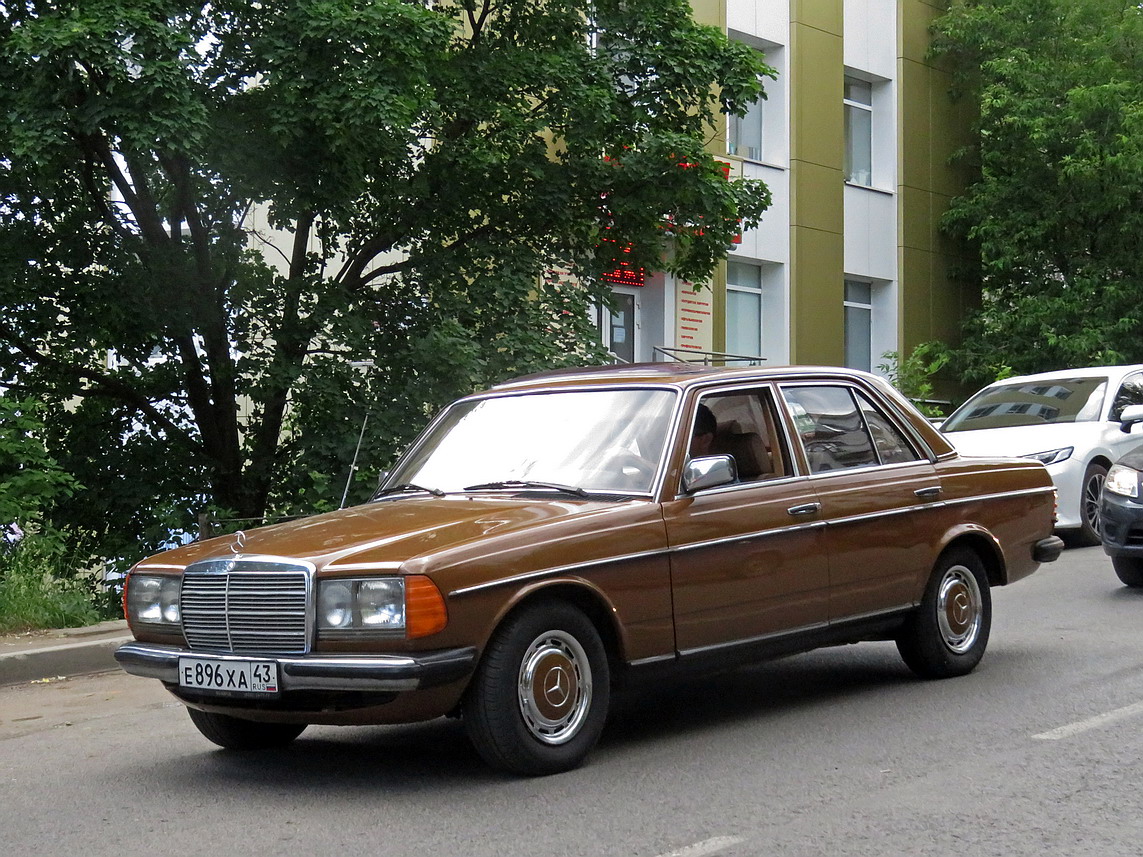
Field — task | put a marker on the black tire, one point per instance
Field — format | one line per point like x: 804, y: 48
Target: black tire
x: 1090, y: 490
x: 234, y: 733
x: 947, y: 635
x: 539, y: 699
x: 1128, y: 569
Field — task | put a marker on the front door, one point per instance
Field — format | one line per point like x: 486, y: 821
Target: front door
x: 748, y: 560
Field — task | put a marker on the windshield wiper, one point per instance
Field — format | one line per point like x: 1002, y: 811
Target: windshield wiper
x: 522, y: 483
x: 406, y: 487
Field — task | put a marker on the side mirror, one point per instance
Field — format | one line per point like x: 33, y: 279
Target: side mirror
x: 709, y: 472
x: 1131, y: 415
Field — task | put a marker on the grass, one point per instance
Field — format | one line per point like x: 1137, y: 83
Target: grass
x: 40, y: 588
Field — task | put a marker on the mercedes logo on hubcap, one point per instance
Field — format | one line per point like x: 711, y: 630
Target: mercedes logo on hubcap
x: 557, y: 686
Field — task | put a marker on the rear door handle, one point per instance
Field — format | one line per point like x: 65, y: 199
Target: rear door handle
x: 804, y: 509
x: 929, y: 493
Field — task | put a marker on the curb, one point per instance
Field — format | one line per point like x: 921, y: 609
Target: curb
x: 61, y: 653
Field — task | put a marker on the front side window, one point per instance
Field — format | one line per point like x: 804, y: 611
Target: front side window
x: 743, y: 425
x: 858, y: 131
x: 831, y: 427
x: 1130, y: 393
x: 598, y: 440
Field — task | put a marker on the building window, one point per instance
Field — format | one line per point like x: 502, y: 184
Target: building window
x: 859, y: 325
x: 858, y: 131
x: 743, y: 309
x: 745, y: 137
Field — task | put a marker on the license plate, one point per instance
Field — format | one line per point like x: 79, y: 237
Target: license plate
x: 228, y: 676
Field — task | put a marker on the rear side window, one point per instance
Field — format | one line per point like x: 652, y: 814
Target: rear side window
x: 831, y: 427
x: 892, y: 446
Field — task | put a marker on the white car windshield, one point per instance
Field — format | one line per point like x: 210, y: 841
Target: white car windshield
x: 1068, y: 400
x: 608, y: 441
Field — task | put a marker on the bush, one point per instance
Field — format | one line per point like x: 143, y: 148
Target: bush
x: 41, y: 588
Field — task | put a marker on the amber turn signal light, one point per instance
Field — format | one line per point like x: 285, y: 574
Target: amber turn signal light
x: 425, y: 610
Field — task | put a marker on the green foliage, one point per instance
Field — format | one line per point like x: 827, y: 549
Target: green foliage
x: 40, y: 589
x: 240, y: 200
x: 1056, y: 207
x: 913, y: 376
x: 30, y: 479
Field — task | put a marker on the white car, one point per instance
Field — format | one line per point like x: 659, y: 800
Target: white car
x: 1068, y: 419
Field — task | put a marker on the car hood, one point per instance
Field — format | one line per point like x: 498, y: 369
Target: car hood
x: 389, y: 533
x: 1133, y: 459
x: 1018, y: 441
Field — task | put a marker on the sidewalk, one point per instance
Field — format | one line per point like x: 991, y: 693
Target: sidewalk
x: 61, y: 652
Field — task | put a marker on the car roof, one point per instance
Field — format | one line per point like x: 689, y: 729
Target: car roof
x: 1113, y: 373
x: 675, y: 374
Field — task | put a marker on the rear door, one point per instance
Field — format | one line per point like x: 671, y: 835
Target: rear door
x: 877, y: 492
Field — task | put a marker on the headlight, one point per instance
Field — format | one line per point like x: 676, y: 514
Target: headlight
x: 1123, y: 481
x: 1052, y: 456
x: 153, y: 599
x: 412, y: 605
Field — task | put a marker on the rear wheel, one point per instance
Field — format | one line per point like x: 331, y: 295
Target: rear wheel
x: 1090, y: 494
x: 540, y: 695
x: 1128, y: 569
x: 233, y: 733
x: 947, y: 635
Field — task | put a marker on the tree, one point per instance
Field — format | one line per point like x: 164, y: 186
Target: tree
x: 244, y: 203
x: 1056, y: 209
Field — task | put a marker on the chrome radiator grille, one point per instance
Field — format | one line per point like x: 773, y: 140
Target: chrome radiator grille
x: 245, y: 607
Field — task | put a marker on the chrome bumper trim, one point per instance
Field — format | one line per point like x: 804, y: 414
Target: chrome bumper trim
x: 317, y: 672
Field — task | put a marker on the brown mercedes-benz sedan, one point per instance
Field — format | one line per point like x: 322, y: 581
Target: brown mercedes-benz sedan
x: 545, y: 540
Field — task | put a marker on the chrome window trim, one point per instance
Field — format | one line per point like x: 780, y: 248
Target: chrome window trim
x: 865, y: 468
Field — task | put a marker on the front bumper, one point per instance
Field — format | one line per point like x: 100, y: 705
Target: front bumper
x: 1121, y: 521
x: 370, y: 673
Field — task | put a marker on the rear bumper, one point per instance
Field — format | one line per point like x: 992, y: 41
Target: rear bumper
x: 383, y: 673
x: 1048, y: 550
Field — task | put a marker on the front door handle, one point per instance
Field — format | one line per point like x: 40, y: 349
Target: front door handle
x: 929, y: 493
x: 804, y: 509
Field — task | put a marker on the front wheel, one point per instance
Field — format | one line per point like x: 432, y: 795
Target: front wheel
x: 540, y: 695
x: 234, y: 733
x: 1128, y: 569
x: 946, y: 636
x: 1091, y: 492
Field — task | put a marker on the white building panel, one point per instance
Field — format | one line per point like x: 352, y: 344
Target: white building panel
x: 870, y: 36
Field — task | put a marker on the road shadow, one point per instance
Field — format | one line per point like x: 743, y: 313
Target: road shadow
x: 406, y: 760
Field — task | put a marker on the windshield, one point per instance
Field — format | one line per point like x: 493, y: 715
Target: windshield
x: 1070, y: 400
x: 604, y: 441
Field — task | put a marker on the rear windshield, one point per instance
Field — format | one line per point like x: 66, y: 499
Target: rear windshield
x: 1070, y: 400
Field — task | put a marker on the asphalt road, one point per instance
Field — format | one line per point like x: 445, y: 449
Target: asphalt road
x: 839, y: 752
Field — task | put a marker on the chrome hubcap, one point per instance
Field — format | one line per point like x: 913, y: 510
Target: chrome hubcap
x: 959, y: 609
x: 554, y: 687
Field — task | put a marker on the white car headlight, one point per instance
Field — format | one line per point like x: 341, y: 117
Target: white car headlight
x: 1123, y: 481
x: 1052, y: 456
x: 153, y: 599
x: 369, y: 604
